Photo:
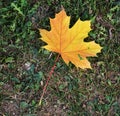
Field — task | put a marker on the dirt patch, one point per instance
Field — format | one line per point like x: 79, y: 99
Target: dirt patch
x: 10, y: 107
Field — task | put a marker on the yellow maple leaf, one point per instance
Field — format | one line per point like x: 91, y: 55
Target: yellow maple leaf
x: 69, y: 42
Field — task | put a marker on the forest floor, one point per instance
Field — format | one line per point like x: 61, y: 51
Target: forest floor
x: 24, y: 65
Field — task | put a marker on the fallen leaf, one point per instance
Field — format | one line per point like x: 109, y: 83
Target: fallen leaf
x: 69, y: 42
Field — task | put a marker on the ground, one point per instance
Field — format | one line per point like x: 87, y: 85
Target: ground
x: 24, y: 65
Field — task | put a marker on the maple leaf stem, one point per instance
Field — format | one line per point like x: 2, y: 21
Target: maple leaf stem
x: 49, y: 77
